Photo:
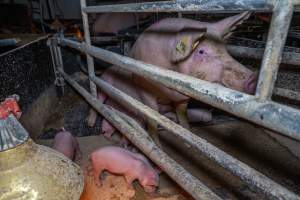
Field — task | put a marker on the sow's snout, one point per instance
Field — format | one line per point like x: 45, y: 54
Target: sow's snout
x: 250, y: 84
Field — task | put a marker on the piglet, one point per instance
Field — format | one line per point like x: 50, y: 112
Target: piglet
x: 133, y: 166
x: 66, y: 143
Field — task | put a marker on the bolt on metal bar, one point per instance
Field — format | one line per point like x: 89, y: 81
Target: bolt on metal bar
x: 276, y: 117
x: 186, y: 5
x: 87, y: 38
x: 282, y: 16
x: 290, y: 58
x: 141, y: 139
x: 252, y: 177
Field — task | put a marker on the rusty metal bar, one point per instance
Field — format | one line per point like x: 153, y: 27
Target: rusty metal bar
x: 249, y: 175
x: 90, y: 59
x: 145, y: 143
x: 282, y: 16
x: 290, y: 58
x: 186, y: 6
x: 277, y: 117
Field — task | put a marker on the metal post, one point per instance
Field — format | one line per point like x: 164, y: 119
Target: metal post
x: 57, y: 63
x: 282, y: 16
x: 141, y: 139
x: 60, y: 81
x: 92, y: 116
x: 90, y: 60
x: 252, y: 177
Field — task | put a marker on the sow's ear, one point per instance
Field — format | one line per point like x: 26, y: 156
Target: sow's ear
x: 223, y: 29
x: 184, y: 45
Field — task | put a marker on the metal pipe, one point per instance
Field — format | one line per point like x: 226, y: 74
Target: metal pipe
x: 252, y: 177
x: 293, y: 95
x: 9, y: 42
x: 186, y: 6
x: 145, y: 143
x: 290, y: 58
x: 87, y: 38
x: 282, y: 16
x: 295, y: 35
x: 58, y: 65
x: 277, y: 117
x: 105, y: 39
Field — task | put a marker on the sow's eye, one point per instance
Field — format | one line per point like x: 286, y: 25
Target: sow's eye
x: 201, y: 51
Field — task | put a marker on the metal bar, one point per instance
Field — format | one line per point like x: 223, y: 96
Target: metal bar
x: 252, y: 177
x: 142, y: 140
x: 290, y: 58
x: 293, y: 95
x: 282, y: 16
x: 90, y: 59
x: 9, y: 42
x: 186, y: 5
x: 295, y: 35
x: 105, y: 39
x: 277, y: 117
x: 58, y: 66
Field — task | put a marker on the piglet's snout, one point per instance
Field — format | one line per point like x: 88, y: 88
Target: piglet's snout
x: 250, y: 84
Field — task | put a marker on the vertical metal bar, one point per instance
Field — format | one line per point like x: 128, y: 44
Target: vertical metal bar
x: 58, y: 65
x: 282, y: 15
x: 87, y: 38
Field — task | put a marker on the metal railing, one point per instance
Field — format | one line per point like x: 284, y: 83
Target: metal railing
x: 258, y: 109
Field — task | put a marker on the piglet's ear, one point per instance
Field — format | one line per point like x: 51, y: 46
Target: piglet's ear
x: 184, y: 45
x: 223, y: 29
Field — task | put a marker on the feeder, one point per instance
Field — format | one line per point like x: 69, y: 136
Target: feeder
x: 31, y: 171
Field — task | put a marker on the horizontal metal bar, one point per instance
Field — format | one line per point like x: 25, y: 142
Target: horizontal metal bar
x: 290, y: 58
x: 9, y: 42
x: 277, y: 117
x: 141, y: 139
x: 104, y: 39
x: 293, y: 95
x: 186, y: 6
x: 252, y: 177
x: 293, y: 34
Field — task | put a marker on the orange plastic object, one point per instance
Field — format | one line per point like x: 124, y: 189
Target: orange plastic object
x: 8, y: 106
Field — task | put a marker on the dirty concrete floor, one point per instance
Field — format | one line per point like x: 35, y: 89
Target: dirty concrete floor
x: 260, y: 149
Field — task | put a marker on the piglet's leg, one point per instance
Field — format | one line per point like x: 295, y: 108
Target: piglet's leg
x: 107, y: 129
x: 129, y: 179
x: 181, y: 112
x: 199, y: 115
x: 152, y: 126
x: 124, y: 142
x: 77, y: 149
x: 97, y: 171
x: 98, y: 178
